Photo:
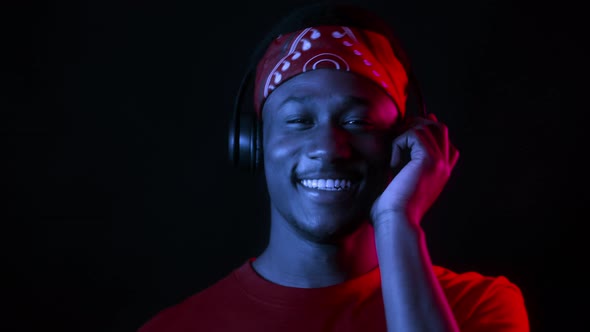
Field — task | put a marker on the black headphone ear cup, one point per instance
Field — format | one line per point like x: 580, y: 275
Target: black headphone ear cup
x: 246, y: 141
x: 258, y: 144
x: 236, y: 141
x: 233, y: 143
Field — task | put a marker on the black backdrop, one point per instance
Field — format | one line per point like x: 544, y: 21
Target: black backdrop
x: 118, y: 199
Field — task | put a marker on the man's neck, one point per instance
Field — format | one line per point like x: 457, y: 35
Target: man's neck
x: 290, y: 260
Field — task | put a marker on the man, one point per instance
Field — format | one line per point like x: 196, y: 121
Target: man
x: 346, y: 250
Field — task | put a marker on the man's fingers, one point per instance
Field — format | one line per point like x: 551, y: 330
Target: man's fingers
x: 424, y: 138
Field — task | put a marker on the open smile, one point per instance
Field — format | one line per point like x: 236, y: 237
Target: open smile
x: 328, y: 190
x: 327, y: 184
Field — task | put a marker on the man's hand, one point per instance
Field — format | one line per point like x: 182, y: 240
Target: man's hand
x: 418, y: 184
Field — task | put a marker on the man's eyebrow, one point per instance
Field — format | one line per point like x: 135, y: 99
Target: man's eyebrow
x: 347, y: 101
x: 295, y: 99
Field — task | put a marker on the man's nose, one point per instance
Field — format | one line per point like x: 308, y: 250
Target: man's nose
x: 329, y: 143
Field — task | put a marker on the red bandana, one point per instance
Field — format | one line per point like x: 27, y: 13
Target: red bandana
x: 336, y: 47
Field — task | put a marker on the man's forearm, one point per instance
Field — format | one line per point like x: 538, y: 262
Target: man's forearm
x: 413, y: 298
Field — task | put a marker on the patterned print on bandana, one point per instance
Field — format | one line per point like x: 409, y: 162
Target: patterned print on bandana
x: 333, y: 47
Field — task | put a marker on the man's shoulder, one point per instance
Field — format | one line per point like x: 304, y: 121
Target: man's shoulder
x: 454, y: 281
x: 206, y: 302
x: 483, y: 300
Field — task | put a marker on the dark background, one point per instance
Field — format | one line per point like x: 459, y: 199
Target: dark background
x: 118, y: 199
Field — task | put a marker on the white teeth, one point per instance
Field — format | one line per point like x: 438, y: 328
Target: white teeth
x: 327, y: 184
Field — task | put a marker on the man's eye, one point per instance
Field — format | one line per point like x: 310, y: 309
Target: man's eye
x: 358, y: 123
x: 302, y: 121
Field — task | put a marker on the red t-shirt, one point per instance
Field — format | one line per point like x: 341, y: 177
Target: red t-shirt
x: 244, y: 301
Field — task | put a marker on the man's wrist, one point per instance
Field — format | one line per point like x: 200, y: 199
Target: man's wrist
x: 396, y: 224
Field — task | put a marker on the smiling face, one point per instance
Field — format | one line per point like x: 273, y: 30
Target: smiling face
x: 327, y: 146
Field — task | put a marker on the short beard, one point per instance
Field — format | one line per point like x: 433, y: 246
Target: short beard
x: 334, y: 237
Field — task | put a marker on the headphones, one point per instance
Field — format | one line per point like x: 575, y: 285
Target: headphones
x: 245, y: 130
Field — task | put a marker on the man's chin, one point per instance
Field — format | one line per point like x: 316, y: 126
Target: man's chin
x: 331, y: 233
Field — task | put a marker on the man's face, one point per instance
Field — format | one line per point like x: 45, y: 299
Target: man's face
x: 327, y: 146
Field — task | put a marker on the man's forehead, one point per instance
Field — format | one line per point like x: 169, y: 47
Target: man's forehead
x: 343, y: 89
x: 336, y: 98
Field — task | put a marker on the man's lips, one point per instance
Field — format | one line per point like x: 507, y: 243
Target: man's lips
x: 328, y: 195
x: 328, y: 187
x: 323, y: 174
x: 327, y: 184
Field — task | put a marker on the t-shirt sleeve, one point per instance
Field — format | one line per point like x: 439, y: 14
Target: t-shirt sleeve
x: 497, y: 306
x: 161, y: 322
